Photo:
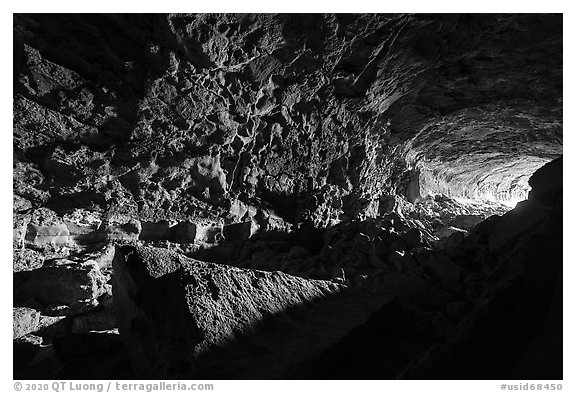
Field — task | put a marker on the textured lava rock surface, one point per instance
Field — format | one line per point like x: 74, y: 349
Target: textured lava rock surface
x: 225, y: 322
x: 174, y: 117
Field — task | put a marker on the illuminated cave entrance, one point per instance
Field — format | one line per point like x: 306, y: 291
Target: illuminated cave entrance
x: 478, y: 162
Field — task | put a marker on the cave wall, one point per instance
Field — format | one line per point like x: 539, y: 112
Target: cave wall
x: 317, y: 117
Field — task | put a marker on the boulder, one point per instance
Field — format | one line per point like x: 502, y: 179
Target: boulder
x: 413, y: 237
x: 451, y: 244
x: 83, y: 235
x: 207, y: 232
x: 104, y: 257
x: 466, y: 221
x: 123, y: 229
x: 19, y: 226
x: 514, y: 224
x: 447, y: 231
x: 62, y: 284
x: 25, y: 321
x: 94, y: 322
x: 57, y: 235
x: 413, y: 293
x: 239, y: 231
x: 546, y: 183
x: 182, y: 318
x: 483, y: 230
x: 25, y: 259
x: 20, y: 204
x: 51, y: 326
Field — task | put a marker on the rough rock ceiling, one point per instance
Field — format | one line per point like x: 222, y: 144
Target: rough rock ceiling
x: 487, y: 152
x: 164, y: 114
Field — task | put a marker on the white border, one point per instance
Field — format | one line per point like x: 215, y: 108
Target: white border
x: 356, y: 6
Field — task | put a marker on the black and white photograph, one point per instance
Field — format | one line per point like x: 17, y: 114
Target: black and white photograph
x: 287, y: 196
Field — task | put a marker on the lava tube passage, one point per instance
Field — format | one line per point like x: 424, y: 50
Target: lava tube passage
x: 287, y: 196
x: 485, y: 155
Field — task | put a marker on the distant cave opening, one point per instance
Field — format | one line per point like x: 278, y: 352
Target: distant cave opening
x: 478, y: 161
x: 500, y: 185
x: 456, y: 194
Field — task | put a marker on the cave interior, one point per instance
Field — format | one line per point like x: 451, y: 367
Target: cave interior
x: 277, y: 196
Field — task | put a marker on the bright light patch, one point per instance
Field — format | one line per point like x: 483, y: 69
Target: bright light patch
x: 474, y: 180
x: 512, y: 202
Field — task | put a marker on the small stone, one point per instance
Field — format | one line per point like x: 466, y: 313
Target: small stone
x: 31, y: 339
x: 447, y: 231
x: 26, y: 259
x: 49, y: 326
x: 98, y: 321
x: 397, y: 259
x: 25, y: 321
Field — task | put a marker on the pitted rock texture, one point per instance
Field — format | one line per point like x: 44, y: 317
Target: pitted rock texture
x: 25, y: 321
x: 175, y: 116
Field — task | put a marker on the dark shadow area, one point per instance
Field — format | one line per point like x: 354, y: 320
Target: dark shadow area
x: 378, y: 349
x: 73, y: 356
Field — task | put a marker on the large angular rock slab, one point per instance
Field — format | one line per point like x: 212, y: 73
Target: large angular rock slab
x: 182, y: 318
